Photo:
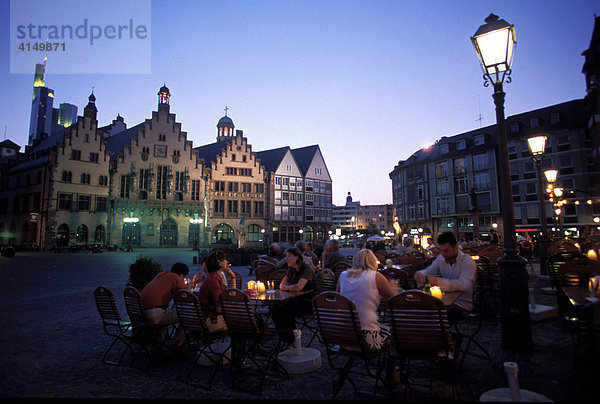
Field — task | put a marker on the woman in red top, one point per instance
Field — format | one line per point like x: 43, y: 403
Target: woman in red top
x: 211, y: 288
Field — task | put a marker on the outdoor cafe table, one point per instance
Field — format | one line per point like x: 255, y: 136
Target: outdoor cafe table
x: 578, y: 296
x: 295, y: 360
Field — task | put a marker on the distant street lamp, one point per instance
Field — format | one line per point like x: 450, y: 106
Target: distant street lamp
x: 551, y: 178
x: 537, y: 145
x: 494, y: 43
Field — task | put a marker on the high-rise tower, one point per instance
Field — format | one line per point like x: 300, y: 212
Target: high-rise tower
x: 41, y: 106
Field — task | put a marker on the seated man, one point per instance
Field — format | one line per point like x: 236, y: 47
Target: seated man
x: 452, y: 270
x: 331, y: 254
x: 407, y: 246
x: 309, y: 252
x: 157, y: 294
x: 271, y: 257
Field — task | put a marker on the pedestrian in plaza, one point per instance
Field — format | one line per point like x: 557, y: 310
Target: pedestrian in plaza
x: 211, y: 288
x: 365, y: 286
x: 300, y: 277
x: 452, y: 270
x: 157, y: 295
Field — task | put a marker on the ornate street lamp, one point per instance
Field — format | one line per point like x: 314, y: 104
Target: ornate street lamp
x: 494, y: 43
x: 537, y: 145
x: 551, y: 178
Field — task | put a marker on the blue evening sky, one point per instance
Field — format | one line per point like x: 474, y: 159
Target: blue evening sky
x: 369, y: 81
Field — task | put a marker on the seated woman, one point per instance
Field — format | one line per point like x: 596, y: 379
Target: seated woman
x: 363, y: 285
x: 300, y: 277
x: 211, y: 288
x: 200, y: 275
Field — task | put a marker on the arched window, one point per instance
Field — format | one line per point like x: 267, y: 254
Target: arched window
x: 222, y: 234
x: 62, y: 236
x: 82, y: 234
x: 143, y: 194
x: 254, y: 233
x: 309, y: 234
x: 99, y: 234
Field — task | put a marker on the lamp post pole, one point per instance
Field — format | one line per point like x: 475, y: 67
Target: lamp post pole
x: 496, y: 59
x: 537, y: 146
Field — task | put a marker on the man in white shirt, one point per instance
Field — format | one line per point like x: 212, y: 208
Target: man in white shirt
x: 452, y: 270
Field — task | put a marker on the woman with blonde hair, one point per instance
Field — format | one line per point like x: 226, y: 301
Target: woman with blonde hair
x: 364, y: 286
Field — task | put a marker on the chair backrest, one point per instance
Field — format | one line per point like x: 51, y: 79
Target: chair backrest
x: 394, y: 273
x: 325, y: 280
x: 419, y: 322
x: 339, y: 267
x: 276, y: 277
x: 408, y: 258
x: 189, y: 311
x: 578, y: 271
x: 262, y: 272
x: 134, y: 306
x: 238, y: 313
x: 338, y: 321
x: 105, y: 302
x: 236, y: 282
x: 555, y: 261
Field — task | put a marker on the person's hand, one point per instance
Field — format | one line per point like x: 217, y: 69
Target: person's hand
x: 419, y: 278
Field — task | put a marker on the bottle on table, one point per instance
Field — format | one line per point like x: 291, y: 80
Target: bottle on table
x: 427, y: 285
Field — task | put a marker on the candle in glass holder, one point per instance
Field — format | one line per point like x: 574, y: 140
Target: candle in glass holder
x: 251, y: 285
x: 261, y: 287
x: 436, y: 292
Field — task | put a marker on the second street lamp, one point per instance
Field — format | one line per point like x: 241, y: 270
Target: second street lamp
x: 494, y: 43
x: 537, y: 145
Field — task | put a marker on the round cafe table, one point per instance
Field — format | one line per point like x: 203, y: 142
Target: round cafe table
x: 503, y: 394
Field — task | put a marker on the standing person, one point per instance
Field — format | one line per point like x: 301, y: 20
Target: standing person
x: 300, y: 277
x: 494, y: 237
x: 211, y: 288
x: 452, y: 270
x: 364, y: 285
x: 331, y: 254
x: 156, y: 296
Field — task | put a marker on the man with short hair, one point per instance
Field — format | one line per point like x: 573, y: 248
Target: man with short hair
x: 300, y: 245
x: 452, y: 270
x: 271, y: 257
x: 331, y: 254
x: 309, y: 252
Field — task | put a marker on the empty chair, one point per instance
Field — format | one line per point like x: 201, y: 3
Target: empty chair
x: 197, y: 336
x: 339, y: 326
x: 249, y: 334
x: 339, y: 267
x: 404, y: 279
x: 236, y: 282
x: 114, y: 325
x: 325, y: 280
x: 555, y: 261
x: 262, y: 272
x: 420, y: 331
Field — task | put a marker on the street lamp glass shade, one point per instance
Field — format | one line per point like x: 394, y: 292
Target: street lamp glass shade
x: 494, y: 43
x: 537, y: 145
x: 551, y: 175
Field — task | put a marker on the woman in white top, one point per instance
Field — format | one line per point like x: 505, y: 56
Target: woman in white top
x: 364, y: 285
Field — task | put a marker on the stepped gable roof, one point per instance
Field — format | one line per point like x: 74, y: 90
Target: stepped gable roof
x: 210, y: 151
x: 304, y: 156
x: 271, y: 159
x: 116, y: 143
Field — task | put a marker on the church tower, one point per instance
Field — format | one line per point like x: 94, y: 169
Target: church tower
x: 225, y: 127
x: 163, y: 98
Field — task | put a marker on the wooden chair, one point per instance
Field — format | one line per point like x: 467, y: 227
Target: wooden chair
x: 197, y: 336
x: 325, y: 280
x: 420, y: 331
x: 469, y: 327
x: 262, y: 272
x: 114, y: 325
x: 148, y: 337
x: 234, y: 283
x: 339, y: 326
x: 276, y: 277
x: 555, y: 261
x: 338, y: 268
x: 404, y: 279
x: 408, y: 258
x: 249, y: 334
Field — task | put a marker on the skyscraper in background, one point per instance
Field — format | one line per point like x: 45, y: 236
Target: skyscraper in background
x: 41, y: 105
x: 65, y: 115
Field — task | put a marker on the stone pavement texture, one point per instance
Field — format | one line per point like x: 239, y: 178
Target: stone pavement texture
x: 52, y: 343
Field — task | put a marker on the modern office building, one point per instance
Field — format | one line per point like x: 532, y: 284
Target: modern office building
x: 40, y: 122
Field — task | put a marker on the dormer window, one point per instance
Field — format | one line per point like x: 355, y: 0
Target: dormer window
x: 478, y: 140
x: 461, y: 144
x: 554, y: 118
x: 515, y: 127
x: 444, y: 148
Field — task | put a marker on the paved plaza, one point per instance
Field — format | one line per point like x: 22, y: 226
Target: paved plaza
x: 52, y: 342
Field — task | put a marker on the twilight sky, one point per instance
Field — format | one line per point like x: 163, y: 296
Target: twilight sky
x: 369, y: 81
